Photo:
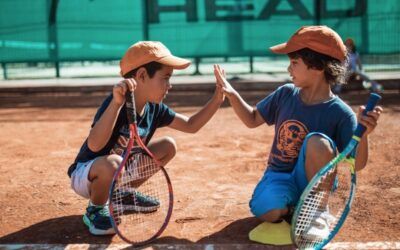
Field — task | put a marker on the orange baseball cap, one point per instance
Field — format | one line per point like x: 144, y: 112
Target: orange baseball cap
x: 321, y: 39
x: 145, y: 52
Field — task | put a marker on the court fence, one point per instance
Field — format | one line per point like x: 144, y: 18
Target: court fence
x: 59, y: 32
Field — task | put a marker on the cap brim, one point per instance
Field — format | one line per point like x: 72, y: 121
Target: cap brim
x: 285, y: 48
x: 175, y: 62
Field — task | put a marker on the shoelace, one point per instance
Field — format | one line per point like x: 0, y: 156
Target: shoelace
x: 146, y: 197
x: 104, y: 211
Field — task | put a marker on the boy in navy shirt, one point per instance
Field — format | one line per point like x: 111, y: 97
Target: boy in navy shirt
x: 146, y: 68
x: 311, y: 123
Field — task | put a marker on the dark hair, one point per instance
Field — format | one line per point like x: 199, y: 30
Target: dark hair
x: 350, y: 45
x: 334, y: 70
x: 151, y: 68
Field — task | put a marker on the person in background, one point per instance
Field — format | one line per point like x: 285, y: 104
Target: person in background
x: 354, y: 69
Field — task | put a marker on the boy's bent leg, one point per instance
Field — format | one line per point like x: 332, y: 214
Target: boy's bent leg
x: 100, y: 177
x: 163, y: 149
x: 319, y: 151
x: 94, y: 179
x: 272, y: 196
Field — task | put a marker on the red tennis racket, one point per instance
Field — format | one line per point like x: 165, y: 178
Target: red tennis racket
x: 141, y: 196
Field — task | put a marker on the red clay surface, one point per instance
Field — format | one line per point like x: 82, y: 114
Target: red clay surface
x: 213, y: 176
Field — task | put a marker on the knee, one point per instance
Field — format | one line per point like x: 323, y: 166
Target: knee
x: 318, y: 146
x: 113, y: 161
x: 111, y: 165
x: 171, y: 146
x: 272, y: 216
x: 105, y: 167
x: 261, y: 208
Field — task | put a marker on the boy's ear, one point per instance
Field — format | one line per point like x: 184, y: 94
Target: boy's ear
x: 141, y: 74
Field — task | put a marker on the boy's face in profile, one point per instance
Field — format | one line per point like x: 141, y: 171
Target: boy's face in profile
x: 159, y: 84
x: 302, y: 75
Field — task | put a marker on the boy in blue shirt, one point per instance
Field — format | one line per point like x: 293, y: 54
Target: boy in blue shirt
x: 146, y: 68
x: 311, y: 123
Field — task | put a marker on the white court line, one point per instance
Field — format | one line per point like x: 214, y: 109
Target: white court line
x: 364, y: 245
x: 335, y: 245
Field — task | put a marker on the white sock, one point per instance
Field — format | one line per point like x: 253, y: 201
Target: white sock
x: 102, y: 205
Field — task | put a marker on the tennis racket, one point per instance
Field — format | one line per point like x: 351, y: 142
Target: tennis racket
x: 140, y: 198
x: 326, y: 201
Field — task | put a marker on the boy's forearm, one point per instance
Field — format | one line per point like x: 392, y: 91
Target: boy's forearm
x: 102, y: 130
x: 243, y: 110
x: 198, y: 120
x: 362, y: 154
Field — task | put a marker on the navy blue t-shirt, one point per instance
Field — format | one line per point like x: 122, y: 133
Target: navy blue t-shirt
x: 293, y: 120
x: 154, y: 116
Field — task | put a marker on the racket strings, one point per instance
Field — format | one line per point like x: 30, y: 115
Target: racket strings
x: 140, y: 199
x: 323, y: 207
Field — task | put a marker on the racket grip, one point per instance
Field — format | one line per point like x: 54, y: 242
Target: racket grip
x: 130, y: 107
x: 372, y: 101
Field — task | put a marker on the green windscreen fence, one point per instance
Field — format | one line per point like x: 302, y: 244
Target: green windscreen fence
x: 74, y: 30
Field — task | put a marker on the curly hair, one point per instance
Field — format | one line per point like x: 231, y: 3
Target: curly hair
x: 334, y: 70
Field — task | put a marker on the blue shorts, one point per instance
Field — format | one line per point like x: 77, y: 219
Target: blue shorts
x: 279, y: 190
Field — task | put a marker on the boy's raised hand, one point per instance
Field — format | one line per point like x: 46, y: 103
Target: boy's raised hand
x: 120, y: 89
x: 370, y: 120
x: 220, y: 76
x: 219, y: 93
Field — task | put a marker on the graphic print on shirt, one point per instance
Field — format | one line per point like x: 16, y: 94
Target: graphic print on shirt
x: 123, y: 139
x: 290, y: 137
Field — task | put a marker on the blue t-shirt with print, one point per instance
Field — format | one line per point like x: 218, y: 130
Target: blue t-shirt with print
x: 154, y: 116
x: 293, y: 120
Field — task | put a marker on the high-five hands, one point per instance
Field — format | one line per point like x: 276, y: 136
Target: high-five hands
x: 220, y: 77
x: 219, y: 93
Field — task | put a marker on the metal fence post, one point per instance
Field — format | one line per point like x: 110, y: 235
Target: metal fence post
x: 57, y: 66
x: 53, y: 36
x: 251, y: 64
x: 145, y: 25
x: 197, y: 65
x: 4, y: 66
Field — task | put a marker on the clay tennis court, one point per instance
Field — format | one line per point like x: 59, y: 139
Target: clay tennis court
x: 213, y: 174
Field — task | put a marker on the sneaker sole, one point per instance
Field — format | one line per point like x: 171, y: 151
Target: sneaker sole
x: 95, y: 231
x: 140, y: 208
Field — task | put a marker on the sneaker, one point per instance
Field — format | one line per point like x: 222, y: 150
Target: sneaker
x: 320, y: 226
x: 376, y: 87
x: 366, y: 84
x: 98, y: 220
x: 138, y: 202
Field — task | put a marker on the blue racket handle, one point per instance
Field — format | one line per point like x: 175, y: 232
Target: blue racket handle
x: 372, y: 101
